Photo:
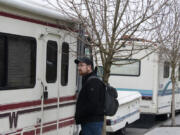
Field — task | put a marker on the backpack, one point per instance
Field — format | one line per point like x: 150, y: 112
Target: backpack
x: 111, y: 103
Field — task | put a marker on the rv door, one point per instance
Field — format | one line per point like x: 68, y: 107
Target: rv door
x: 50, y: 78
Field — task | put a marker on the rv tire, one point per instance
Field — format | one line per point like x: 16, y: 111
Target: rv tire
x: 121, y: 131
x: 162, y: 117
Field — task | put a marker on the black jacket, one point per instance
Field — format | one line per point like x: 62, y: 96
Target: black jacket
x: 90, y: 102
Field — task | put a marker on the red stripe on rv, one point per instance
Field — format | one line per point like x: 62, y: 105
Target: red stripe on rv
x: 27, y: 19
x: 35, y: 103
x: 54, y: 127
x: 54, y: 122
x: 50, y: 126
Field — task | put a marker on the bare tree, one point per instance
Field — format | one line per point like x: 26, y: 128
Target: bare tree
x: 108, y: 22
x: 169, y: 41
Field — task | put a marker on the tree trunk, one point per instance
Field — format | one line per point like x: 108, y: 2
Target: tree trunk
x: 105, y: 79
x: 104, y: 127
x: 173, y: 79
x: 106, y: 73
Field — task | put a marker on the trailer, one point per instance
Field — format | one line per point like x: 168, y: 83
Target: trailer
x: 127, y: 113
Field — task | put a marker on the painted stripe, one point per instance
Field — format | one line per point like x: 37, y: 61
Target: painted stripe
x: 149, y: 93
x: 13, y: 116
x: 47, y: 127
x: 164, y: 91
x: 162, y: 107
x: 116, y: 121
x: 27, y: 19
x: 61, y: 120
x: 35, y: 103
x: 143, y: 92
x: 167, y: 92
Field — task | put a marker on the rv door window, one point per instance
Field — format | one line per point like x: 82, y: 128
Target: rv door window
x: 17, y: 61
x: 64, y: 64
x: 130, y: 67
x: 166, y: 69
x: 51, y: 62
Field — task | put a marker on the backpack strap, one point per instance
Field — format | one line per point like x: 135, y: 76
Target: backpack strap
x: 94, y: 77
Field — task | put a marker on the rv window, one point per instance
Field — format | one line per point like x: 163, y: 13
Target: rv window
x: 17, y: 61
x: 130, y: 67
x: 100, y: 72
x: 87, y: 52
x: 51, y: 62
x: 2, y: 61
x: 166, y: 69
x: 64, y: 64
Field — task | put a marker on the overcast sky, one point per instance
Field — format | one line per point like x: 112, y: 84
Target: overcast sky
x: 44, y: 3
x: 37, y: 1
x: 41, y: 2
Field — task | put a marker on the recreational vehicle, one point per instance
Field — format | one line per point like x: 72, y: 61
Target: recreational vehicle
x: 149, y: 76
x: 37, y: 70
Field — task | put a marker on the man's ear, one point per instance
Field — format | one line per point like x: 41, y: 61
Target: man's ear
x: 89, y: 67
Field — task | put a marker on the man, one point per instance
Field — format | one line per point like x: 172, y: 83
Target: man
x: 90, y: 102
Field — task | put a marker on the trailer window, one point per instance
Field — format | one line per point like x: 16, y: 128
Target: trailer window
x: 64, y: 64
x: 51, y: 62
x: 166, y: 69
x: 17, y: 61
x: 130, y: 67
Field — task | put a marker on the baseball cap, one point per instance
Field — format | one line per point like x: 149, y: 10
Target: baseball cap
x: 84, y: 60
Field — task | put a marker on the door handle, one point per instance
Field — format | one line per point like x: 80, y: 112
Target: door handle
x: 45, y: 92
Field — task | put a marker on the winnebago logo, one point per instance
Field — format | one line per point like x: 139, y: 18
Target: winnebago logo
x: 13, y: 118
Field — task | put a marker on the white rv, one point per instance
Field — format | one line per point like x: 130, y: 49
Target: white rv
x: 37, y: 70
x: 149, y: 76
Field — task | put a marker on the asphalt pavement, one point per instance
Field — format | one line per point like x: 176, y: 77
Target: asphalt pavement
x: 143, y: 125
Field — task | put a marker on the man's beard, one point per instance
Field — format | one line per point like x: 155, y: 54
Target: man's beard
x: 82, y: 73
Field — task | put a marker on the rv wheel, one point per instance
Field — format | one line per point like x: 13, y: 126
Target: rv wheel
x: 121, y: 131
x: 109, y: 133
x: 162, y: 117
